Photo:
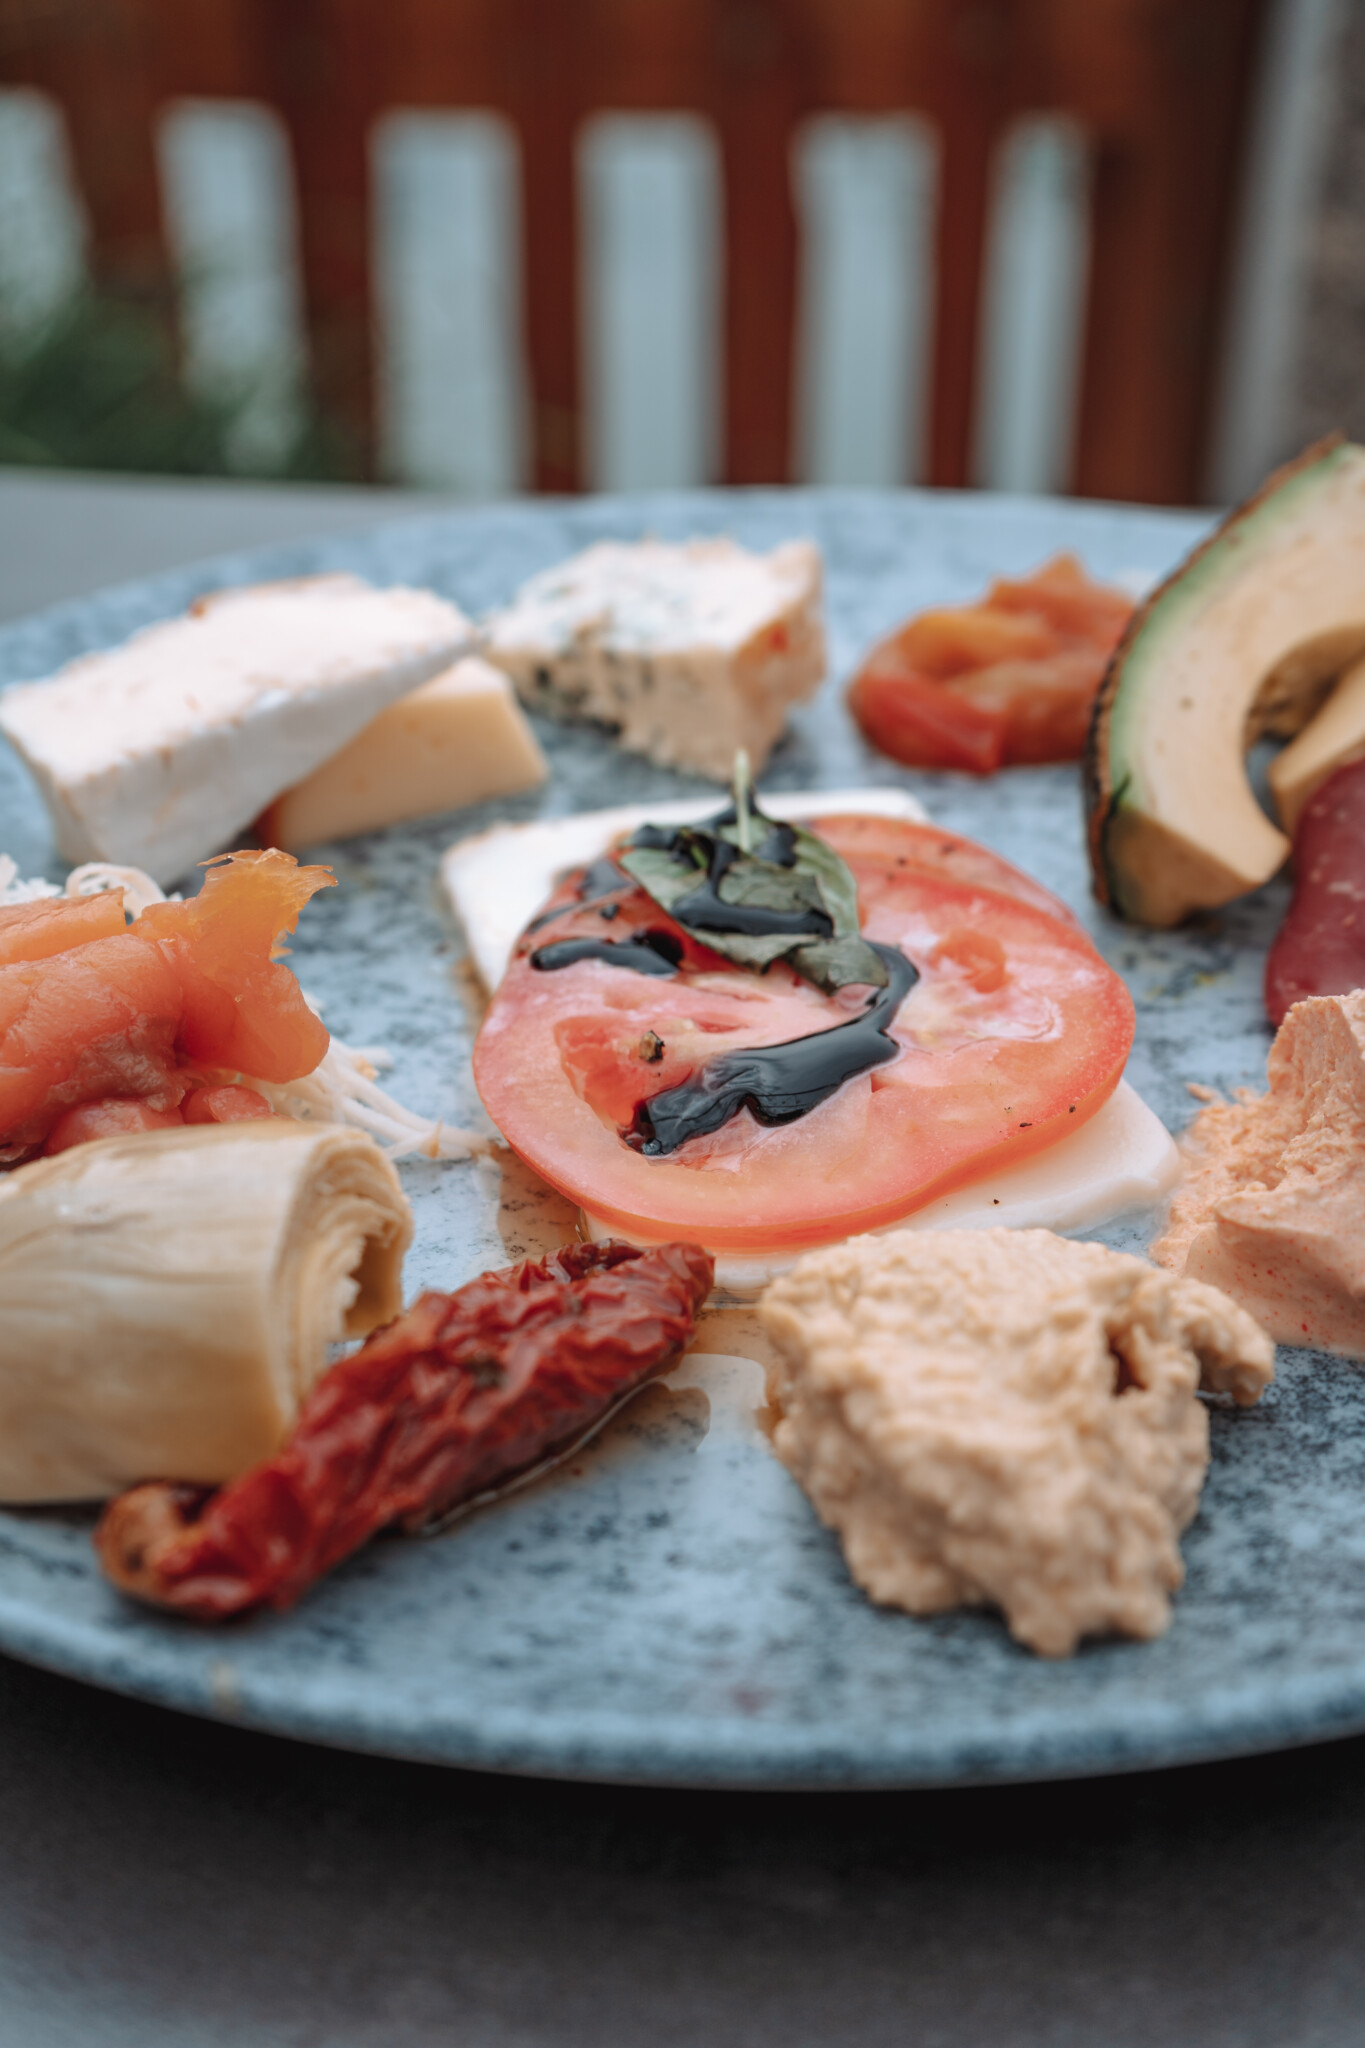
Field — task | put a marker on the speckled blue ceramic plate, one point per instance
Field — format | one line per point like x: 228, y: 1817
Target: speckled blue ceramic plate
x: 667, y: 1608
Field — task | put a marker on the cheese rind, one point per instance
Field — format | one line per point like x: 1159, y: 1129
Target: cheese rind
x: 496, y: 881
x: 156, y: 753
x: 459, y: 739
x: 687, y: 651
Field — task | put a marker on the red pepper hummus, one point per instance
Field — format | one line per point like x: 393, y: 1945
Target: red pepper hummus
x: 1272, y: 1205
x: 1005, y: 1417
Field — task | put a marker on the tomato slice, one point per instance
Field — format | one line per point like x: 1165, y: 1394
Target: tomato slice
x: 1015, y: 1034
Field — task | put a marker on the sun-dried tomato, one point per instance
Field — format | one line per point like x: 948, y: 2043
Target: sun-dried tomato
x: 459, y: 1395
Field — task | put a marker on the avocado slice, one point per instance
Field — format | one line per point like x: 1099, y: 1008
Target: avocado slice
x: 1327, y: 742
x: 1244, y: 639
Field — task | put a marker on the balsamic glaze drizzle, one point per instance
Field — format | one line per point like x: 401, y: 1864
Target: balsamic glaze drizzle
x: 599, y: 882
x: 705, y: 909
x: 648, y: 953
x: 778, y: 1083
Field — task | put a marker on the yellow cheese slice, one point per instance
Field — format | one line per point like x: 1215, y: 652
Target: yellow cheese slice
x: 459, y: 739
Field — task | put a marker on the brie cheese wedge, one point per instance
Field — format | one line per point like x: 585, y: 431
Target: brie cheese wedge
x: 159, y: 752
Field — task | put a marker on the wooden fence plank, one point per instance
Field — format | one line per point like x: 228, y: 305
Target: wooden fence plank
x: 1160, y: 87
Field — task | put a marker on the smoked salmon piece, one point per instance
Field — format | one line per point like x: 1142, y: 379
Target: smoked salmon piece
x: 110, y: 1117
x: 243, y: 1010
x: 35, y: 931
x: 189, y: 993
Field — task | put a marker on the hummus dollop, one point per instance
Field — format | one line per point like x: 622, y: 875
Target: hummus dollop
x: 1272, y: 1204
x: 1005, y: 1417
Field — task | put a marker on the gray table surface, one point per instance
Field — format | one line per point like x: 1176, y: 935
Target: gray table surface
x: 168, y: 1881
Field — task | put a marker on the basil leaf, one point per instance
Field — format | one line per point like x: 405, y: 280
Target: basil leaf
x: 764, y: 887
x: 807, y: 877
x: 666, y: 879
x: 836, y: 885
x: 834, y: 963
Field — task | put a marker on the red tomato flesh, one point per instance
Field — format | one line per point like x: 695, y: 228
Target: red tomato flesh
x: 1016, y: 1033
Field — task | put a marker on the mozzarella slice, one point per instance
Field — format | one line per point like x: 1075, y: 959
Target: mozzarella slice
x: 158, y: 752
x: 497, y: 880
x: 1123, y: 1159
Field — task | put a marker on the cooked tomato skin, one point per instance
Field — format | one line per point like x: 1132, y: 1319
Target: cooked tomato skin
x: 916, y: 720
x: 1009, y: 680
x: 1017, y: 1033
x: 457, y: 1395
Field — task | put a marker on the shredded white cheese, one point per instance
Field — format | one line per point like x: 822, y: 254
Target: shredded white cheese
x: 98, y: 877
x: 343, y: 1090
x: 12, y: 890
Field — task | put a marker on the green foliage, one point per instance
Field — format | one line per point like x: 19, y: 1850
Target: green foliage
x: 96, y: 386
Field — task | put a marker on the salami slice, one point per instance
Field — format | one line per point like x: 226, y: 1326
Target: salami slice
x: 1320, y: 947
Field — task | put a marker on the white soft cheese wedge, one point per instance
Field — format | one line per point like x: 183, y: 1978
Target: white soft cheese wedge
x: 497, y: 880
x: 459, y: 739
x: 687, y: 651
x: 1123, y: 1159
x: 158, y: 752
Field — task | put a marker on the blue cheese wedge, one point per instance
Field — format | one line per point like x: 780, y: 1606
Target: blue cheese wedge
x: 159, y: 752
x: 686, y: 651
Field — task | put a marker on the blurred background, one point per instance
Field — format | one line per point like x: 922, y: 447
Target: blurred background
x: 482, y: 246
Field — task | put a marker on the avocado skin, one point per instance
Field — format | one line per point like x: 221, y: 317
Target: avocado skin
x: 1115, y: 867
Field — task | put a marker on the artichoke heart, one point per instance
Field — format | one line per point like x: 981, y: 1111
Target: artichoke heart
x: 169, y: 1298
